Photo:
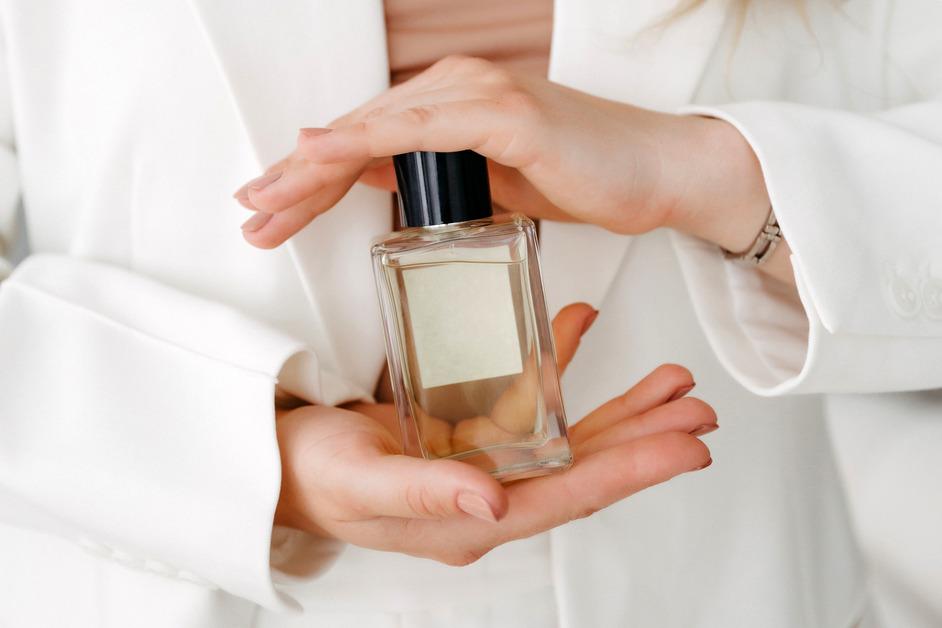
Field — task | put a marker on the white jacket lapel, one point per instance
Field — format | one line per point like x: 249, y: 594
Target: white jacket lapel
x: 296, y: 63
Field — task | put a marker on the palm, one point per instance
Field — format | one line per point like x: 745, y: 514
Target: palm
x: 345, y: 479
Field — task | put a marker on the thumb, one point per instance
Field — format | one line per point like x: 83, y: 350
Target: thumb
x: 414, y: 488
x: 569, y: 326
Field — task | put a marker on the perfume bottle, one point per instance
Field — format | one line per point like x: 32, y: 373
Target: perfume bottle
x: 468, y: 338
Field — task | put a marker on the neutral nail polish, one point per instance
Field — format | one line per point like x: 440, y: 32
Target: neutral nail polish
x: 314, y: 131
x: 260, y: 183
x: 704, y: 429
x: 589, y: 321
x: 704, y: 466
x: 242, y: 196
x: 476, y: 506
x: 681, y: 392
x: 256, y: 222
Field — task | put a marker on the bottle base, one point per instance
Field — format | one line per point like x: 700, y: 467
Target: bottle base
x: 509, y: 463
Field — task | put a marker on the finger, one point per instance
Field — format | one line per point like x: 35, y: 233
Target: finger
x: 515, y: 409
x: 242, y: 194
x: 498, y: 129
x: 436, y: 434
x: 382, y: 175
x: 422, y: 82
x: 480, y: 432
x: 268, y: 230
x: 570, y: 324
x: 302, y: 180
x: 600, y: 480
x: 666, y: 382
x: 415, y: 98
x: 688, y: 415
x: 383, y: 413
x: 403, y: 486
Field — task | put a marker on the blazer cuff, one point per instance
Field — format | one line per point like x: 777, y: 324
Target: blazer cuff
x: 139, y: 421
x: 846, y: 330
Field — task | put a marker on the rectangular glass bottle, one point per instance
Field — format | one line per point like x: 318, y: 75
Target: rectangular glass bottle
x: 468, y: 338
x: 470, y: 346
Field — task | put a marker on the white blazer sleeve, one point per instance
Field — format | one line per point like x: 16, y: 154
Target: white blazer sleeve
x: 138, y: 420
x: 859, y: 200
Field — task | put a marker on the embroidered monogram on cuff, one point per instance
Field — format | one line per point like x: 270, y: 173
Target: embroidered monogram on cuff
x: 764, y: 245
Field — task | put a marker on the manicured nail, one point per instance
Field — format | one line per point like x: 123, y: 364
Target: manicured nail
x: 589, y: 320
x: 681, y: 392
x: 242, y: 195
x: 704, y: 429
x: 256, y: 222
x: 476, y: 506
x: 314, y: 131
x: 260, y: 183
x: 708, y: 463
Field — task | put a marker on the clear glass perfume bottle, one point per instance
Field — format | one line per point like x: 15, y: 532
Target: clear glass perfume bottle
x: 469, y: 341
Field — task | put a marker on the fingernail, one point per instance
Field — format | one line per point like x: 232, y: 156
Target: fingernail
x: 314, y: 131
x: 476, y: 506
x: 704, y: 429
x: 704, y: 466
x: 242, y: 195
x: 260, y: 183
x: 256, y: 222
x: 589, y: 320
x: 681, y: 392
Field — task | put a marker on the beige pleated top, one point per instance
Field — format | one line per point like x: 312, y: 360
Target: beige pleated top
x: 514, y: 33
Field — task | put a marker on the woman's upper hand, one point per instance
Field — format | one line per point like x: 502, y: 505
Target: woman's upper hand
x: 554, y: 153
x: 344, y: 478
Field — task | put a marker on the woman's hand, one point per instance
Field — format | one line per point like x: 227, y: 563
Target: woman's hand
x: 554, y: 153
x: 344, y: 478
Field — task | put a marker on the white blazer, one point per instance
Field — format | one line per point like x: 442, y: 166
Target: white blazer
x: 141, y: 339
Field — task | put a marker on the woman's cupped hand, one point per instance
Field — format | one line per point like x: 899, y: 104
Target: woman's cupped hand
x: 554, y: 152
x: 345, y: 478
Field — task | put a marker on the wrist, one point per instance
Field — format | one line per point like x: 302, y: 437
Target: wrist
x: 290, y: 511
x: 722, y: 197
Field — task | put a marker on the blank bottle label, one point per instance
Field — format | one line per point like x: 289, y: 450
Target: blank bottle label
x: 463, y: 322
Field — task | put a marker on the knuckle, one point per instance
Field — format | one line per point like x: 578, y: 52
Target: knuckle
x: 473, y: 65
x: 422, y: 501
x: 456, y: 62
x: 497, y: 75
x: 420, y: 115
x: 450, y: 60
x: 374, y: 113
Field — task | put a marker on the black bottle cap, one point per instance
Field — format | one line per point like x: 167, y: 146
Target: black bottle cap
x: 441, y: 188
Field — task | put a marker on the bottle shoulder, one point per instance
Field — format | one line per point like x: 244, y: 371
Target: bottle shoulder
x: 494, y: 228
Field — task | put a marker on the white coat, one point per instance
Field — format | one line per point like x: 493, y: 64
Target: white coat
x: 141, y: 339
